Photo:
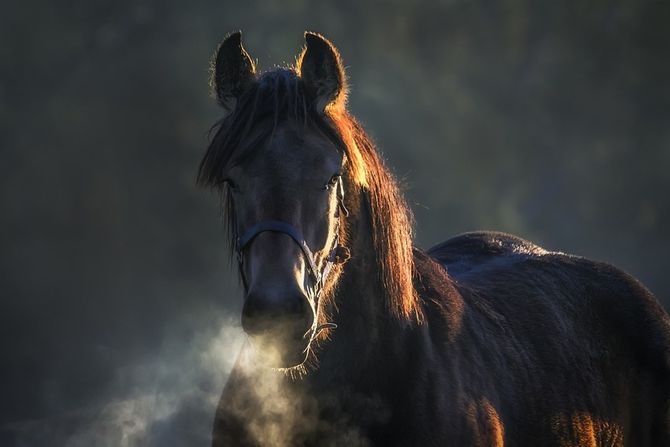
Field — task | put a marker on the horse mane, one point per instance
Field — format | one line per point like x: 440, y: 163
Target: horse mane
x: 280, y: 95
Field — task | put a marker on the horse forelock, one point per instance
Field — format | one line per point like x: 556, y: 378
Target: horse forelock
x: 279, y: 96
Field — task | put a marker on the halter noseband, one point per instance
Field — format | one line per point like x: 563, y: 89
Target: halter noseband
x: 278, y: 226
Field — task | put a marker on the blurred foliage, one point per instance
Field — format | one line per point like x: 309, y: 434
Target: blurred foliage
x: 545, y: 119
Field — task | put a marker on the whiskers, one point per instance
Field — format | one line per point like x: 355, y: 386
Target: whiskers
x: 322, y: 327
x: 314, y: 333
x: 296, y: 372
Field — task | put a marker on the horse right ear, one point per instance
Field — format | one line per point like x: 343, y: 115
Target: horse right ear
x: 233, y: 72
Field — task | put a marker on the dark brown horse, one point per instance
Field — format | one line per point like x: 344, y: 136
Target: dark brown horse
x: 357, y: 338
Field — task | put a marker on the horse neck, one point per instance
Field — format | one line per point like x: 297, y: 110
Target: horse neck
x: 366, y: 329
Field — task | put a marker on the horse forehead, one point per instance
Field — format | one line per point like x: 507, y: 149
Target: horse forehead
x: 295, y: 154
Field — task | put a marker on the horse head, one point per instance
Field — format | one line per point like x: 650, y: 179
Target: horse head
x: 282, y: 169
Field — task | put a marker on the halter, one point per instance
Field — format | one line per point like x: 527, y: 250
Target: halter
x: 278, y: 226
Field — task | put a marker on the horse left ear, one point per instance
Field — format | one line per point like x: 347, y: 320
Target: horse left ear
x: 321, y: 69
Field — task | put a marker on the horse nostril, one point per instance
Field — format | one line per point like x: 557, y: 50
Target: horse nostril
x: 264, y: 312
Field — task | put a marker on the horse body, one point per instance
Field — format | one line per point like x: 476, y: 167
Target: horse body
x: 492, y: 341
x: 554, y: 349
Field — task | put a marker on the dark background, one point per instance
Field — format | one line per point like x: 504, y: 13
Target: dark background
x: 118, y: 315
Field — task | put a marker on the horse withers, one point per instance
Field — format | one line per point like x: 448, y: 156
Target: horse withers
x: 356, y: 338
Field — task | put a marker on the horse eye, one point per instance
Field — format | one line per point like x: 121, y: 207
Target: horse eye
x: 333, y: 181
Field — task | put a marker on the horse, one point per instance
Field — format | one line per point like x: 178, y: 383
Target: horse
x: 355, y: 337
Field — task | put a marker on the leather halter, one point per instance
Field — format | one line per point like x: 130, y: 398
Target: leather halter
x: 279, y: 226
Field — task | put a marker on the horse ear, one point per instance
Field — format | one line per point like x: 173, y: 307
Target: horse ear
x: 321, y: 69
x: 233, y: 71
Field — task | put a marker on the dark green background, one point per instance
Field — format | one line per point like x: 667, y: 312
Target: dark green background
x: 550, y: 120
